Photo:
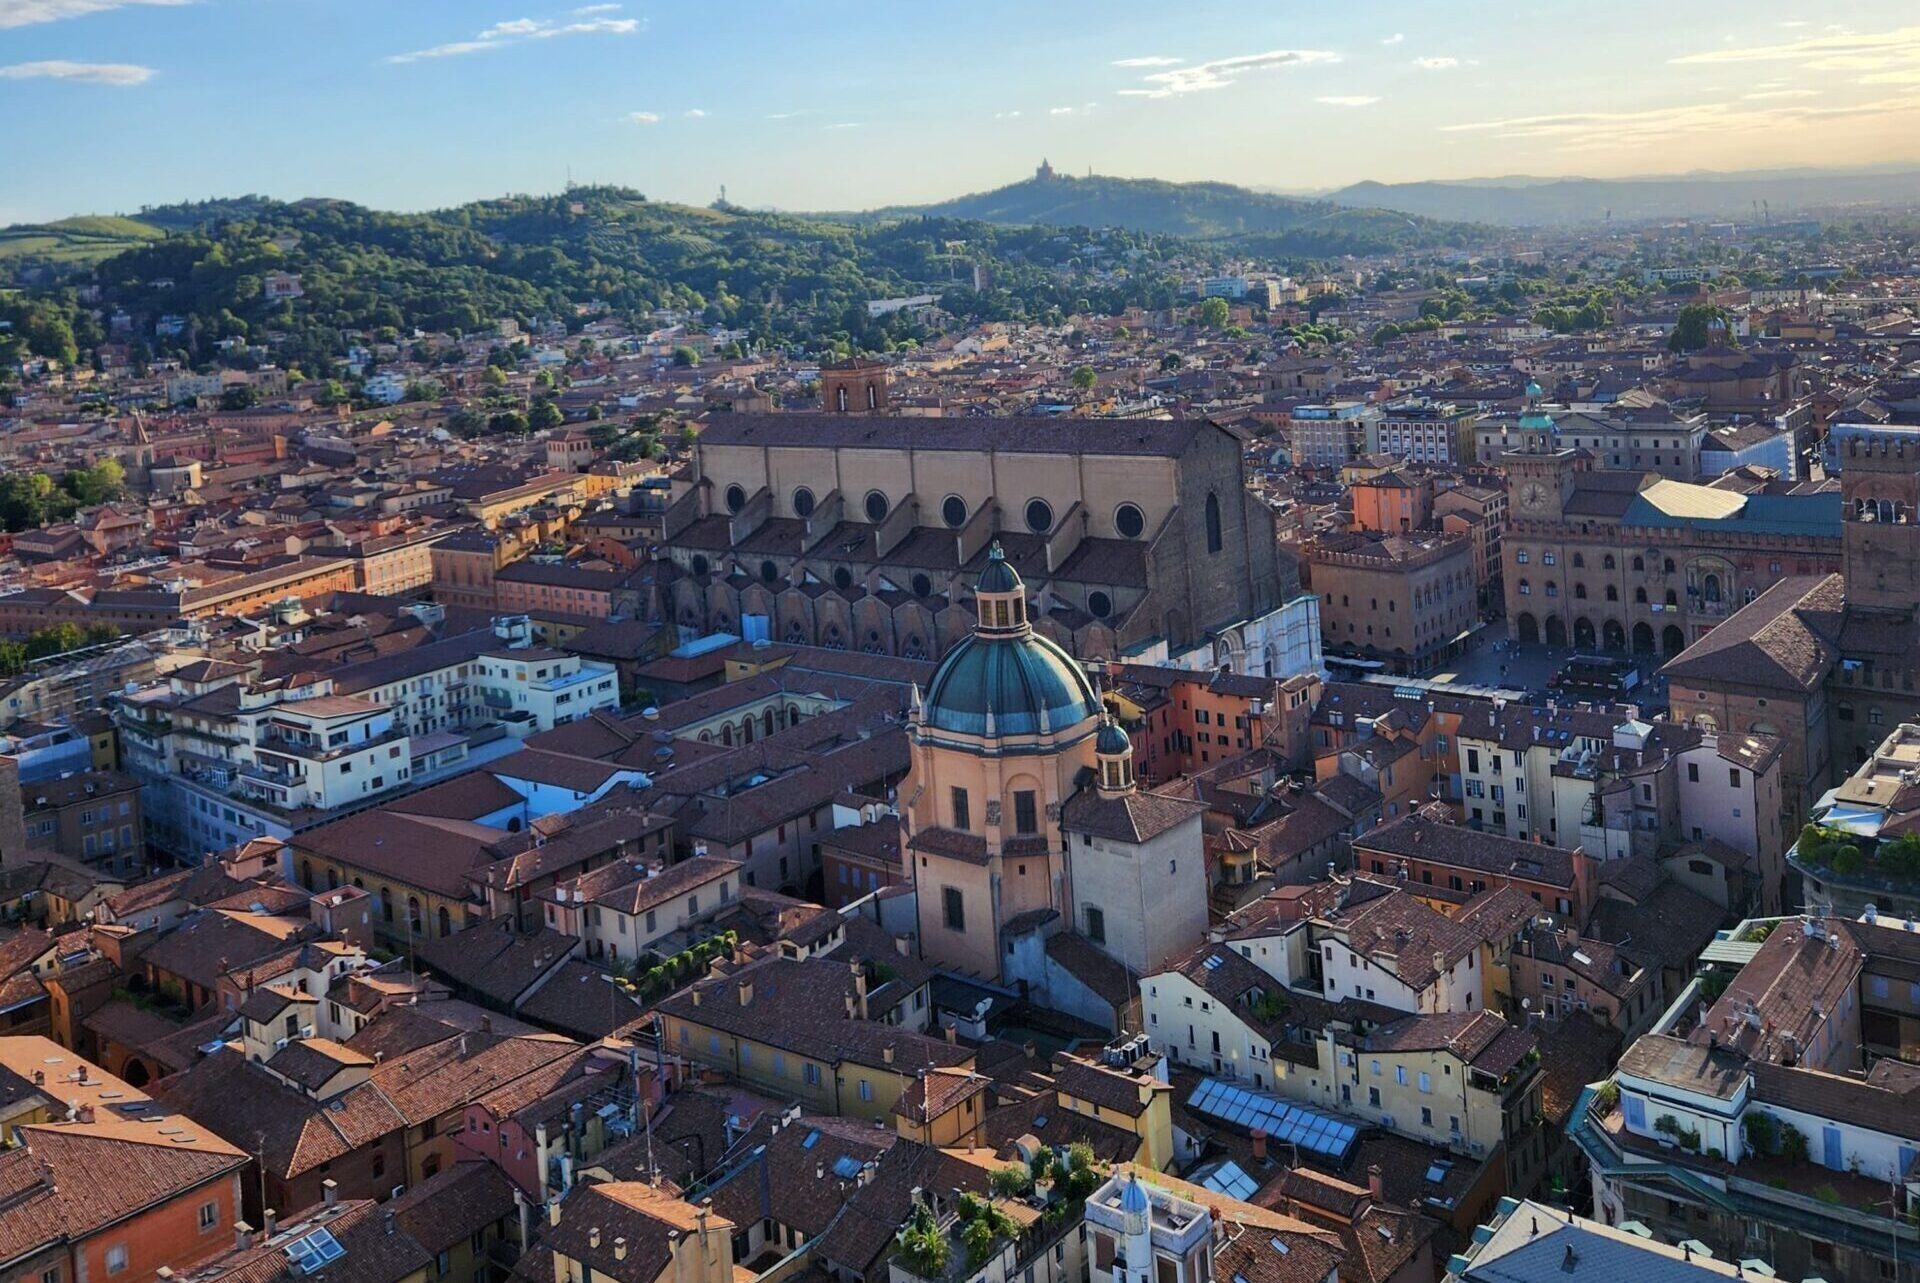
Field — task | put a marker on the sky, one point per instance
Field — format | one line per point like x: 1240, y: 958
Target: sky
x: 109, y: 105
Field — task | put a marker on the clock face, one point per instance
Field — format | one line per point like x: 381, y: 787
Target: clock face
x: 1534, y: 496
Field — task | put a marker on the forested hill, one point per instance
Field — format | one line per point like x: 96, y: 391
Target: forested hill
x: 778, y: 277
x: 1278, y: 225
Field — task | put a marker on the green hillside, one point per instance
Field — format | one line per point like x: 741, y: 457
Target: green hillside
x: 1282, y: 225
x: 779, y: 278
x: 72, y: 241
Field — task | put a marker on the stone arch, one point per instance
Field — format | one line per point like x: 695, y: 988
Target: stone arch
x: 1584, y: 637
x: 1555, y: 631
x: 1526, y: 628
x: 1612, y: 635
x: 1672, y: 640
x: 1643, y: 638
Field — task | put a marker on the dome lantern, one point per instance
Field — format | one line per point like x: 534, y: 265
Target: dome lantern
x: 1113, y: 758
x: 1000, y: 597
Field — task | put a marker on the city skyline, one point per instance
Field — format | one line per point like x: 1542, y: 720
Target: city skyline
x: 835, y: 105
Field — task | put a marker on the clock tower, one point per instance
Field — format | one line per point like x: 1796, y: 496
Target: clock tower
x: 1538, y: 484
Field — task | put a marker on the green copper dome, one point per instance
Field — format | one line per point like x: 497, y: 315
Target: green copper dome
x: 1008, y: 685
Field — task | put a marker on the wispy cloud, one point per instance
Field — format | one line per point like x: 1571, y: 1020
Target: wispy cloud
x: 1222, y: 72
x: 515, y: 31
x: 1151, y: 60
x: 1625, y: 130
x: 1441, y: 62
x: 1006, y: 115
x: 644, y: 117
x: 1394, y: 39
x: 1348, y: 100
x: 588, y: 10
x: 845, y: 124
x: 1769, y: 95
x: 93, y: 73
x: 28, y: 13
x: 1836, y: 51
x: 695, y: 113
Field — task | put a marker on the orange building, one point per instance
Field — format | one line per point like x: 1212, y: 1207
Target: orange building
x: 106, y: 1184
x: 1392, y: 502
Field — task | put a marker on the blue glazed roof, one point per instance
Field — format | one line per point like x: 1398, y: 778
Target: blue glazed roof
x: 1014, y: 677
x: 1113, y: 740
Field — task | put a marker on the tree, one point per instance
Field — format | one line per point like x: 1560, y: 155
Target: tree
x: 1692, y: 327
x: 105, y: 480
x: 237, y: 397
x: 544, y: 414
x: 685, y: 357
x: 1083, y: 377
x: 1214, y: 314
x: 508, y: 423
x: 494, y: 377
x: 1171, y: 361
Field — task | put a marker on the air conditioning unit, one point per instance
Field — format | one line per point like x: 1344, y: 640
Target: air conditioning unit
x: 279, y: 1044
x: 398, y: 1190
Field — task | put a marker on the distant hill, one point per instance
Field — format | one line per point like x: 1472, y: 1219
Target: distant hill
x: 1535, y: 202
x: 1281, y: 225
x: 72, y: 241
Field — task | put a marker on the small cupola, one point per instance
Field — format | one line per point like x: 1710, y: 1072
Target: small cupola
x: 1000, y: 598
x: 1113, y: 758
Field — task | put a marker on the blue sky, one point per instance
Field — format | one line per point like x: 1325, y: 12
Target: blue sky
x: 832, y: 104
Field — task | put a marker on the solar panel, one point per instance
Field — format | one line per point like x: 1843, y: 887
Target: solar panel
x: 1282, y: 1120
x: 846, y: 1167
x: 813, y: 1138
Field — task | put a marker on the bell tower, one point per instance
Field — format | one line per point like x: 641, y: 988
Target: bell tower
x: 1880, y: 502
x: 1538, y: 485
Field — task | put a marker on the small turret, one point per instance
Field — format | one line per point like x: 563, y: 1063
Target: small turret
x: 1113, y: 758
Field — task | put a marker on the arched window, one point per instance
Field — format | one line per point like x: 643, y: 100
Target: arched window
x: 1578, y: 561
x: 1607, y: 562
x: 1213, y: 523
x: 1639, y: 563
x: 413, y: 913
x: 1672, y: 599
x: 1580, y: 592
x: 1667, y: 565
x: 1613, y: 594
x: 1710, y: 588
x: 1526, y: 588
x: 766, y: 722
x: 726, y: 734
x: 746, y: 729
x: 1640, y: 595
x: 306, y: 874
x: 873, y: 397
x: 386, y: 904
x: 840, y: 399
x: 446, y: 922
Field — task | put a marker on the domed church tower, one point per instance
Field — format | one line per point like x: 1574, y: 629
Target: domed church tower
x: 1008, y: 723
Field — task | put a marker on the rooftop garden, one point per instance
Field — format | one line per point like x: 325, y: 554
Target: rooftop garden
x: 1851, y: 855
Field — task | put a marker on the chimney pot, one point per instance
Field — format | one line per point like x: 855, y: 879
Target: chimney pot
x: 242, y: 1236
x: 272, y: 1219
x: 620, y: 1249
x: 593, y: 1237
x: 331, y: 1189
x: 1377, y: 1183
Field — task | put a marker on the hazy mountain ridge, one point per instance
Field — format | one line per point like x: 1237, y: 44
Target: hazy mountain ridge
x: 1526, y: 201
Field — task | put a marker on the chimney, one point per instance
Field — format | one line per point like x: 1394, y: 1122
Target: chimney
x: 746, y: 992
x: 330, y: 1189
x: 953, y: 1033
x: 84, y: 1114
x: 1259, y: 1145
x: 853, y: 1007
x: 272, y: 1219
x: 242, y: 1236
x: 620, y: 1249
x: 886, y: 1053
x: 1439, y: 963
x: 593, y: 1237
x: 1377, y: 1183
x: 695, y: 991
x: 389, y: 1225
x: 486, y: 1024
